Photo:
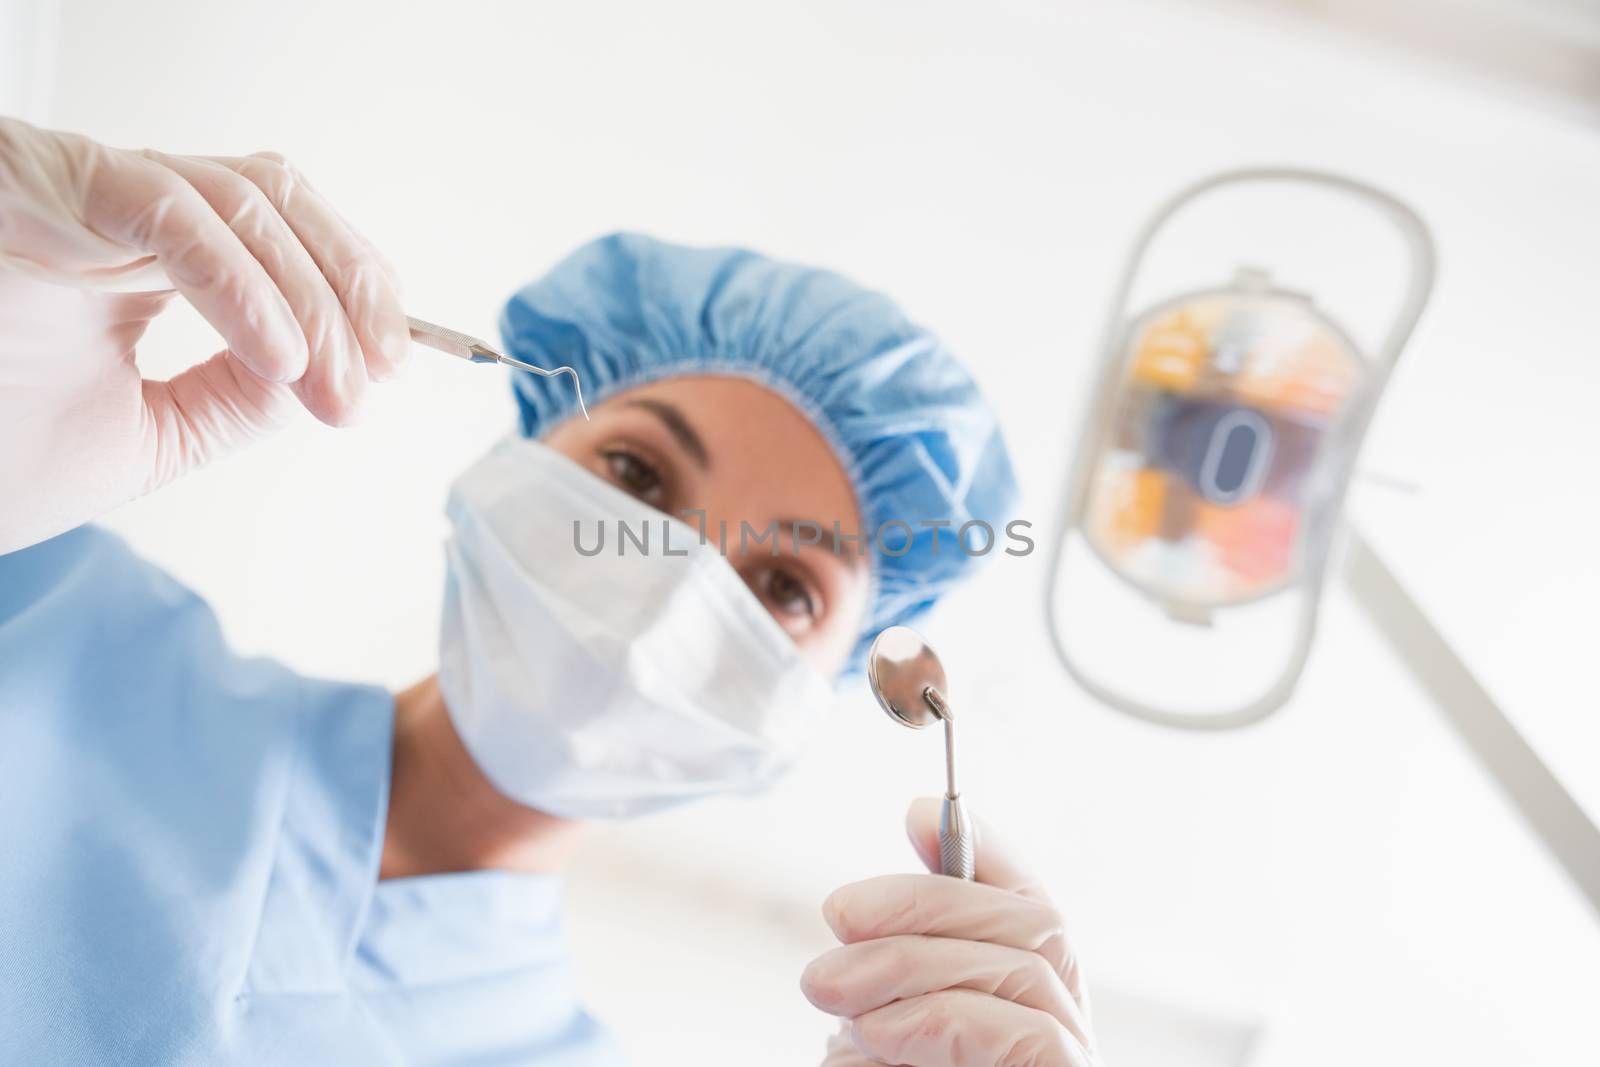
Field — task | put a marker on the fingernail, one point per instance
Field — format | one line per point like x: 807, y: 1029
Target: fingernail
x: 353, y: 390
x: 831, y: 914
x: 394, y: 347
x: 353, y: 413
x: 288, y: 342
x: 399, y: 348
x: 816, y: 987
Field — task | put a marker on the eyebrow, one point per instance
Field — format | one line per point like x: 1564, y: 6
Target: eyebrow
x: 678, y: 427
x: 790, y: 525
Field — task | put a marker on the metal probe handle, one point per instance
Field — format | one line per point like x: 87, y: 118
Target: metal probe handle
x: 465, y: 346
x: 957, y: 856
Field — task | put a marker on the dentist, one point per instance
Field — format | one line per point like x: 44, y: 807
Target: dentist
x: 210, y: 859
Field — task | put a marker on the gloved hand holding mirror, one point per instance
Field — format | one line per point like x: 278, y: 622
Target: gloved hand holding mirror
x: 935, y: 971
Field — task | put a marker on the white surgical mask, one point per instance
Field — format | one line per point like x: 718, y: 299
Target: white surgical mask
x: 611, y: 684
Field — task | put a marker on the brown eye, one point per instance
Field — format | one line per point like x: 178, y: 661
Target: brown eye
x: 635, y: 476
x: 787, y: 595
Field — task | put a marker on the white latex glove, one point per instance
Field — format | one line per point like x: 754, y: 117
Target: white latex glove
x: 308, y: 309
x: 940, y: 972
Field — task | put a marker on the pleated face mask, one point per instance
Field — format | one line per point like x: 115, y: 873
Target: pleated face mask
x: 597, y: 659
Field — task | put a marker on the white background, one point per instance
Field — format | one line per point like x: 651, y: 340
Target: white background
x: 1340, y: 885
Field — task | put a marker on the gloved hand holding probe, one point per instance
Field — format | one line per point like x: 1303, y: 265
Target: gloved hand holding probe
x: 308, y: 310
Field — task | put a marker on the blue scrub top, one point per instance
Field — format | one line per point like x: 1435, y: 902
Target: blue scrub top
x: 189, y: 847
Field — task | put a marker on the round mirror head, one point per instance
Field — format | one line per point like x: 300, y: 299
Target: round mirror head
x: 900, y: 667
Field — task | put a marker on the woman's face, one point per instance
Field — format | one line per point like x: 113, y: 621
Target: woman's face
x: 741, y: 454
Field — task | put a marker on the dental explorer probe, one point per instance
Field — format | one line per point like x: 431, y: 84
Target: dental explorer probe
x: 442, y: 339
x: 467, y: 347
x: 908, y: 680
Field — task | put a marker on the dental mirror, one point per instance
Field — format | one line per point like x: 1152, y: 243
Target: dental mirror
x: 908, y: 680
x: 902, y: 668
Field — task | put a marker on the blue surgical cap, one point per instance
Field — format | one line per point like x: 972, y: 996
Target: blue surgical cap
x: 917, y: 441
